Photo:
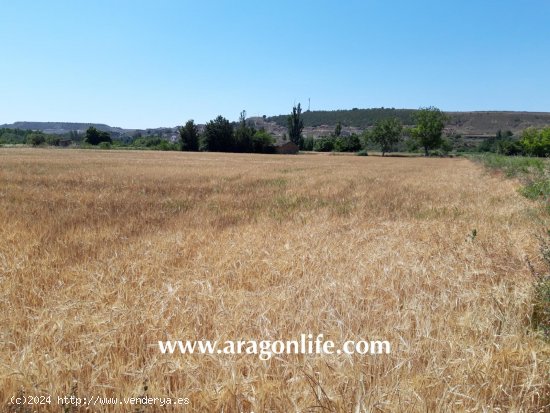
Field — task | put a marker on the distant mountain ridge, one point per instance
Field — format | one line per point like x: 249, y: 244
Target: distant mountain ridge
x: 61, y: 127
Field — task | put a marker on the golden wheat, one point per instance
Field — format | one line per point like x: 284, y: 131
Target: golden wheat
x: 102, y: 254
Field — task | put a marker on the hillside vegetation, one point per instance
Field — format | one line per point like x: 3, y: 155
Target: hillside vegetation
x: 360, y: 118
x: 463, y: 123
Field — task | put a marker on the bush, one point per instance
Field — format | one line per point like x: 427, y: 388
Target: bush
x: 536, y: 142
x: 308, y: 143
x: 510, y: 148
x: 412, y: 145
x: 148, y: 142
x: 164, y: 145
x: 95, y: 137
x: 363, y: 152
x: 12, y: 136
x: 446, y: 146
x: 53, y: 140
x: 262, y: 142
x: 36, y: 139
x: 353, y: 143
x: 438, y: 152
x: 324, y: 144
x: 350, y: 143
x: 104, y: 145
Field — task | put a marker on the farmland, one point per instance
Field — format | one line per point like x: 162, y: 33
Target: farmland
x: 104, y: 253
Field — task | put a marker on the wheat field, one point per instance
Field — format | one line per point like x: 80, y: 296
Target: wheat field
x: 104, y: 253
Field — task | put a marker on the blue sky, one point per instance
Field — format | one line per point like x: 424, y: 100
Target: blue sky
x: 138, y: 64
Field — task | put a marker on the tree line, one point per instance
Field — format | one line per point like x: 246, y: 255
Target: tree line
x: 220, y: 135
x: 386, y: 135
x: 35, y: 138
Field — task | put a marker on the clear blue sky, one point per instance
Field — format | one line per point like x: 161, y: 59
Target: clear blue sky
x: 139, y: 64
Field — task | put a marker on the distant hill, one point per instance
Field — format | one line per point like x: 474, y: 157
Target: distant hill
x: 486, y: 123
x: 61, y: 127
x: 359, y: 118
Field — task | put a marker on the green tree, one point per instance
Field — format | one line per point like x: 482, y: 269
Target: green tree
x: 350, y: 143
x: 295, y: 125
x: 189, y: 136
x: 13, y: 136
x: 217, y: 136
x: 308, y: 143
x: 53, y: 140
x: 338, y: 130
x: 74, y: 135
x: 387, y: 133
x: 244, y: 135
x: 262, y: 142
x: 95, y: 137
x: 36, y: 138
x: 324, y: 144
x: 536, y: 142
x: 354, y: 143
x: 429, y: 128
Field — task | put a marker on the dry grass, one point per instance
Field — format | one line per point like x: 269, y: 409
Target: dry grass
x: 102, y: 254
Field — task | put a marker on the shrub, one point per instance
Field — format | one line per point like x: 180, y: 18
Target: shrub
x: 510, y: 148
x: 308, y: 143
x: 438, y: 152
x: 446, y: 146
x: 262, y: 142
x: 324, y: 144
x: 536, y: 142
x: 53, y: 140
x: 353, y: 143
x: 350, y: 143
x: 95, y: 137
x: 164, y: 145
x: 36, y: 139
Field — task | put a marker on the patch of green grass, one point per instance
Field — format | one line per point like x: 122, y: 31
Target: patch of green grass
x: 536, y: 189
x: 533, y: 172
x: 513, y: 165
